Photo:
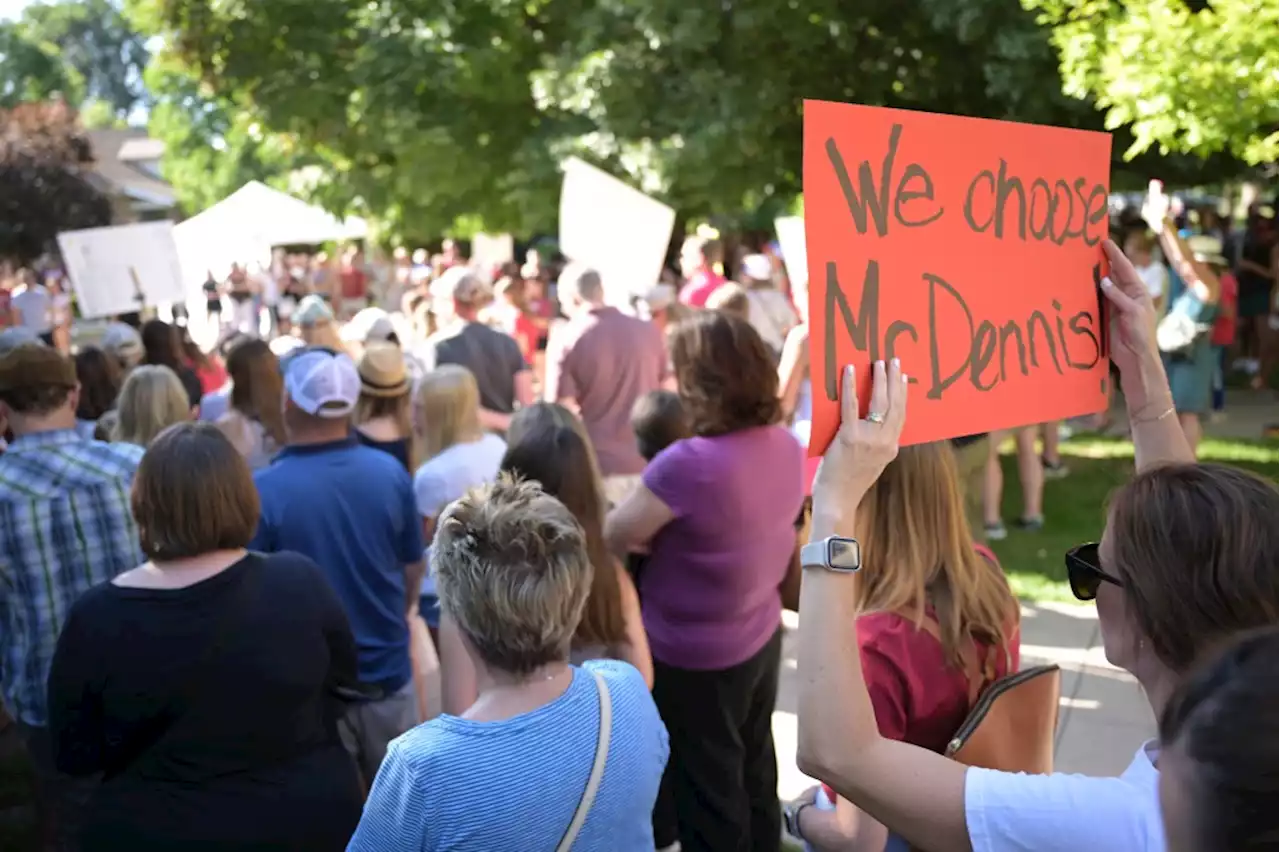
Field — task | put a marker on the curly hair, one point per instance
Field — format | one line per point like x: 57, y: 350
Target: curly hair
x: 725, y: 373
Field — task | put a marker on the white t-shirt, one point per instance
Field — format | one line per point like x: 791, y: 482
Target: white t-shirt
x: 1156, y: 277
x: 1013, y: 812
x: 445, y: 477
x: 36, y: 305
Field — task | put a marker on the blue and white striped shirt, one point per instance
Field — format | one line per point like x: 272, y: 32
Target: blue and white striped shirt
x: 454, y: 784
x: 65, y: 526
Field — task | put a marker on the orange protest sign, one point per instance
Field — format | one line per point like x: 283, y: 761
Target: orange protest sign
x: 971, y: 250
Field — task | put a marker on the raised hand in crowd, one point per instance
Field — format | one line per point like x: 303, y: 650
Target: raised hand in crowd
x: 1176, y: 533
x: 1157, y: 437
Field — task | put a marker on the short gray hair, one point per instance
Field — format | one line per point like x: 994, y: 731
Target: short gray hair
x: 512, y: 570
x: 581, y: 281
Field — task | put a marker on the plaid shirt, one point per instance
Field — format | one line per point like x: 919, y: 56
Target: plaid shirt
x: 65, y: 525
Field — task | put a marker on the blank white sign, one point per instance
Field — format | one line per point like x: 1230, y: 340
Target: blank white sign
x: 122, y: 269
x: 617, y: 230
x: 794, y: 255
x: 489, y: 251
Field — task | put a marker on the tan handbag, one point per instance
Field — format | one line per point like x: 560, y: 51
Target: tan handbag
x: 1012, y: 720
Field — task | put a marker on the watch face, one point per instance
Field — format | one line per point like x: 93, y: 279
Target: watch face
x: 843, y: 554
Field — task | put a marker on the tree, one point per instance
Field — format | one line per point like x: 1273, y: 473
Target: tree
x: 32, y: 71
x: 44, y: 158
x: 212, y: 148
x: 94, y: 38
x: 1199, y: 78
x: 426, y: 113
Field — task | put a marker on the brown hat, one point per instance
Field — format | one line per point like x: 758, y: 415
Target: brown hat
x: 33, y: 366
x: 382, y: 370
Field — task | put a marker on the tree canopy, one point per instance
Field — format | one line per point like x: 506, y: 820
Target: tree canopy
x: 428, y: 112
x: 93, y: 39
x: 44, y: 157
x: 33, y: 71
x: 1197, y: 78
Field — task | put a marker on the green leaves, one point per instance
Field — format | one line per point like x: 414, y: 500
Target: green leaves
x: 31, y: 70
x: 1192, y: 82
x: 93, y: 41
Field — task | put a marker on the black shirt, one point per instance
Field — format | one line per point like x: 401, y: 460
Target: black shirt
x: 210, y: 711
x: 397, y: 449
x: 492, y: 357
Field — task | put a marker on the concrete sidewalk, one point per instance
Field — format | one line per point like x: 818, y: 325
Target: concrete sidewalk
x: 1103, y: 716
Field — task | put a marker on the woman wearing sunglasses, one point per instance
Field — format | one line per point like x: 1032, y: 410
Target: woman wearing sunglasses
x: 1188, y: 557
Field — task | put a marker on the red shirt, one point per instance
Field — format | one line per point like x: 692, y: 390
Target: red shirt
x: 919, y: 698
x: 1224, y: 327
x: 353, y: 282
x: 520, y: 327
x: 700, y: 287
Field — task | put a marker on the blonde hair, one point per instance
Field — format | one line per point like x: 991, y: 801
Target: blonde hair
x: 448, y: 409
x: 512, y: 571
x: 323, y: 333
x: 151, y: 400
x: 913, y: 530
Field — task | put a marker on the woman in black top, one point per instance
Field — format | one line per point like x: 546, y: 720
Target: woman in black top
x: 162, y: 346
x: 202, y: 683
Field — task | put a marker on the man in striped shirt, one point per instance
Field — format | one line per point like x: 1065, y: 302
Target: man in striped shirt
x: 65, y: 525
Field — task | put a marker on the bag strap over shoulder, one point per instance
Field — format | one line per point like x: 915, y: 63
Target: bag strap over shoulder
x: 597, y: 768
x: 979, y: 672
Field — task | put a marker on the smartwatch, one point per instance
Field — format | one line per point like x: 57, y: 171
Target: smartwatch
x: 834, y: 553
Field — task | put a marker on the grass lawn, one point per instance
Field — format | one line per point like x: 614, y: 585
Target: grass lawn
x: 1075, y: 507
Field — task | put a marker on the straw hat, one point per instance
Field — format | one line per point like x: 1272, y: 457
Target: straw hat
x: 382, y: 370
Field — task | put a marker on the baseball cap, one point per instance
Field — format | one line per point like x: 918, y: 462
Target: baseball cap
x: 312, y: 310
x: 370, y: 324
x: 124, y: 343
x: 322, y: 382
x: 32, y: 366
x: 12, y: 338
x: 460, y: 284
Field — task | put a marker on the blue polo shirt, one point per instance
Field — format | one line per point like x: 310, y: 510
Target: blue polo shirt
x: 351, y: 509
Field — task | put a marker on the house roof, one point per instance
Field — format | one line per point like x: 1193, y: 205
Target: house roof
x: 118, y: 155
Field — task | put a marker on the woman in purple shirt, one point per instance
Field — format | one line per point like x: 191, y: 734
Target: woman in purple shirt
x: 716, y: 513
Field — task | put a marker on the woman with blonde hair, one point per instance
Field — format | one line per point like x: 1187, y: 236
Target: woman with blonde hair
x: 548, y: 444
x: 383, y: 418
x: 316, y: 324
x: 938, y: 618
x: 458, y: 454
x: 151, y: 400
x: 254, y: 422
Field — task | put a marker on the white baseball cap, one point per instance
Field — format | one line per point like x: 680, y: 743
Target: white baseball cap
x: 321, y: 382
x: 370, y: 324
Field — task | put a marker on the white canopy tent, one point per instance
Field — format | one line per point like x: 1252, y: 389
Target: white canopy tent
x: 242, y: 229
x: 246, y: 225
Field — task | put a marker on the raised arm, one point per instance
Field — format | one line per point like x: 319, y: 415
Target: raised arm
x: 1157, y: 437
x: 913, y: 792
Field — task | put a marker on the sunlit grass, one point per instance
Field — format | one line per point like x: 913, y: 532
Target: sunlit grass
x: 1075, y: 507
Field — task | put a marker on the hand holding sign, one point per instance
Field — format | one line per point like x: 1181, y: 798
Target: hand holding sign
x: 967, y: 248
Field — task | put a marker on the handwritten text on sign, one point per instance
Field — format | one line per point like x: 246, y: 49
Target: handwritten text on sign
x: 968, y: 248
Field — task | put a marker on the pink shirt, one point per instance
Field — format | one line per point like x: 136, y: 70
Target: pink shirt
x: 604, y: 361
x: 700, y: 287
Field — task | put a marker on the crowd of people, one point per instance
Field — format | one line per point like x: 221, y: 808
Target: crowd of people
x: 506, y: 570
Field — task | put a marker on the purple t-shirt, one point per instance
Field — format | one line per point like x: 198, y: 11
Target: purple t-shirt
x: 710, y: 587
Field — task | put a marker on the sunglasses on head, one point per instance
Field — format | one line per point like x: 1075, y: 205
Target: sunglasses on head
x: 1084, y: 572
